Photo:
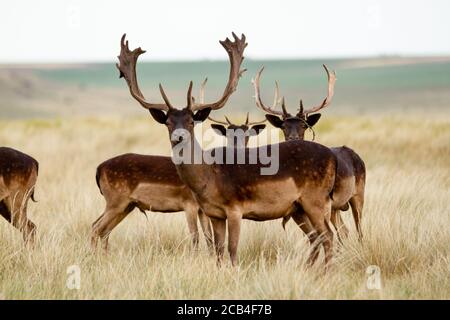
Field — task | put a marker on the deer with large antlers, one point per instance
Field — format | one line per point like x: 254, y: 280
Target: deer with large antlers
x: 149, y: 182
x: 232, y: 192
x: 351, y: 173
x: 18, y: 175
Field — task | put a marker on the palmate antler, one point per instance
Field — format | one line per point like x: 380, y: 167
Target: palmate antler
x: 235, y: 50
x: 201, y: 98
x: 302, y: 113
x: 127, y: 68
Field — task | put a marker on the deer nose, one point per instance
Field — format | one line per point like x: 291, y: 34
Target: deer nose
x: 179, y: 135
x: 290, y: 137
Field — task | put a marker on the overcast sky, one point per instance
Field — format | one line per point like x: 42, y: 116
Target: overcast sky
x: 78, y: 31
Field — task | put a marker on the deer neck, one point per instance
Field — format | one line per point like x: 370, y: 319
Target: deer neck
x: 195, y: 173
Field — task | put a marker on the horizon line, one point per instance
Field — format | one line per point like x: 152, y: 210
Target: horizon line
x: 445, y: 56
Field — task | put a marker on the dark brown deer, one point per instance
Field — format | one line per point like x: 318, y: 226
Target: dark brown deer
x: 232, y: 192
x: 149, y: 182
x: 18, y: 175
x: 351, y: 174
x: 235, y: 131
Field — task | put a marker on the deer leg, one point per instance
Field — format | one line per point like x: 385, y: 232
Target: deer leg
x: 94, y: 236
x: 191, y: 218
x: 305, y: 225
x: 234, y: 231
x: 219, y: 229
x: 339, y: 225
x: 206, y: 227
x: 301, y: 219
x: 303, y: 222
x: 28, y: 227
x: 104, y: 225
x: 18, y: 218
x: 4, y: 211
x: 316, y: 214
x: 357, y: 203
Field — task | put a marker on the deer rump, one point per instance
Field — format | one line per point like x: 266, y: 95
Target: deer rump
x: 17, y: 167
x: 18, y: 176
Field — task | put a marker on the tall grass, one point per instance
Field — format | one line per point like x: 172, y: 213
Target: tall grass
x: 406, y: 221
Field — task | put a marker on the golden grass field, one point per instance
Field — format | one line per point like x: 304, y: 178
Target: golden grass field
x: 406, y: 221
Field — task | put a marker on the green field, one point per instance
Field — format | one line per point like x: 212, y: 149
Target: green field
x: 369, y: 85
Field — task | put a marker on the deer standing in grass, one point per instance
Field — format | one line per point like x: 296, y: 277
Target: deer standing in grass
x: 150, y: 182
x: 351, y: 173
x: 18, y: 175
x: 230, y: 192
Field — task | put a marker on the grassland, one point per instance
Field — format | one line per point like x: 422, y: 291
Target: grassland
x: 406, y: 219
x: 394, y: 112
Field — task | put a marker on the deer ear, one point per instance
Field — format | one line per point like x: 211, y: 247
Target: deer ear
x: 219, y: 129
x: 274, y: 120
x: 312, y: 119
x: 158, y: 115
x: 256, y: 129
x: 202, y: 114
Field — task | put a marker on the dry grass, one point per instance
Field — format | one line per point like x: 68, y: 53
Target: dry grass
x: 405, y: 221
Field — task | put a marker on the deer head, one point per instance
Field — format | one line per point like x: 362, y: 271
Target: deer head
x: 241, y: 133
x: 180, y: 121
x: 230, y: 130
x: 293, y: 127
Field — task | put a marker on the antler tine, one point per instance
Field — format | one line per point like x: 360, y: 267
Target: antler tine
x: 283, y: 107
x: 201, y: 93
x: 246, y: 119
x: 276, y: 97
x: 331, y: 81
x: 256, y: 122
x: 300, y: 110
x: 189, y: 95
x: 164, y: 96
x: 258, y: 100
x: 235, y: 50
x: 218, y: 121
x: 228, y: 120
x: 127, y: 69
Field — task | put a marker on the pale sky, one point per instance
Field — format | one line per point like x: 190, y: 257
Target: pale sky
x: 89, y: 31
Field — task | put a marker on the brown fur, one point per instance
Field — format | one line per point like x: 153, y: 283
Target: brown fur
x: 124, y: 180
x: 18, y: 175
x: 233, y: 192
x: 350, y: 177
x: 130, y: 170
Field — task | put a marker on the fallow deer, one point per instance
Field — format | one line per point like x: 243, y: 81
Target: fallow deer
x: 246, y: 130
x: 229, y: 191
x: 18, y: 175
x: 149, y: 182
x: 351, y: 173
